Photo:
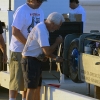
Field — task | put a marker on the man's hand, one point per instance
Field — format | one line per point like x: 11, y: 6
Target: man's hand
x: 45, y: 59
x: 59, y: 59
x: 59, y: 40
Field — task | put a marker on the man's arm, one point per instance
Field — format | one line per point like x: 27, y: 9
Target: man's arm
x: 48, y: 50
x: 2, y: 44
x: 3, y: 48
x: 49, y: 54
x: 18, y: 35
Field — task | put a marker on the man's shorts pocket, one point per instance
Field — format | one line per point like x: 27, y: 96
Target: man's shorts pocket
x: 24, y: 64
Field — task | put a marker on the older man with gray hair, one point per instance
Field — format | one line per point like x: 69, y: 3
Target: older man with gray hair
x: 38, y: 49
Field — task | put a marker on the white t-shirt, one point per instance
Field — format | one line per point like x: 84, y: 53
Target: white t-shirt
x: 38, y: 37
x: 24, y: 19
x: 79, y: 10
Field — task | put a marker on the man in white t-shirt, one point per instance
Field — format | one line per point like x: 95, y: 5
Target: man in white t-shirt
x: 37, y: 48
x: 24, y: 19
x: 76, y: 8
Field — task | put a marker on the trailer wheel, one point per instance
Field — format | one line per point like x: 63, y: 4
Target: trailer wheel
x: 73, y: 53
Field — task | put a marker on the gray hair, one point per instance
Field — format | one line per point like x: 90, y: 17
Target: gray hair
x: 56, y: 18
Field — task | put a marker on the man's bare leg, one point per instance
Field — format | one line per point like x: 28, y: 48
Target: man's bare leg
x: 24, y: 95
x: 12, y: 94
x: 30, y: 94
x: 37, y: 93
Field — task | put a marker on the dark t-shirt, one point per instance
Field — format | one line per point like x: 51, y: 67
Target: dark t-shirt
x: 1, y: 30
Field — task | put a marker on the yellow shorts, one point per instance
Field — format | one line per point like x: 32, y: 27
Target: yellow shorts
x: 16, y: 76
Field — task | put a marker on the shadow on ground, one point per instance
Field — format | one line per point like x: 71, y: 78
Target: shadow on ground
x: 4, y: 94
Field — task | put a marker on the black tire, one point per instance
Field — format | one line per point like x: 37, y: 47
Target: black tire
x: 72, y: 62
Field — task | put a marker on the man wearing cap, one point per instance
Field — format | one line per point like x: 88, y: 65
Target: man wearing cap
x: 76, y: 8
x: 24, y: 19
x: 37, y: 48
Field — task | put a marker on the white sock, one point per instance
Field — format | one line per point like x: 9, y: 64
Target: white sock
x: 12, y: 99
x: 23, y: 98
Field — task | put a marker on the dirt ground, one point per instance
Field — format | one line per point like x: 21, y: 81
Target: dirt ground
x: 92, y: 18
